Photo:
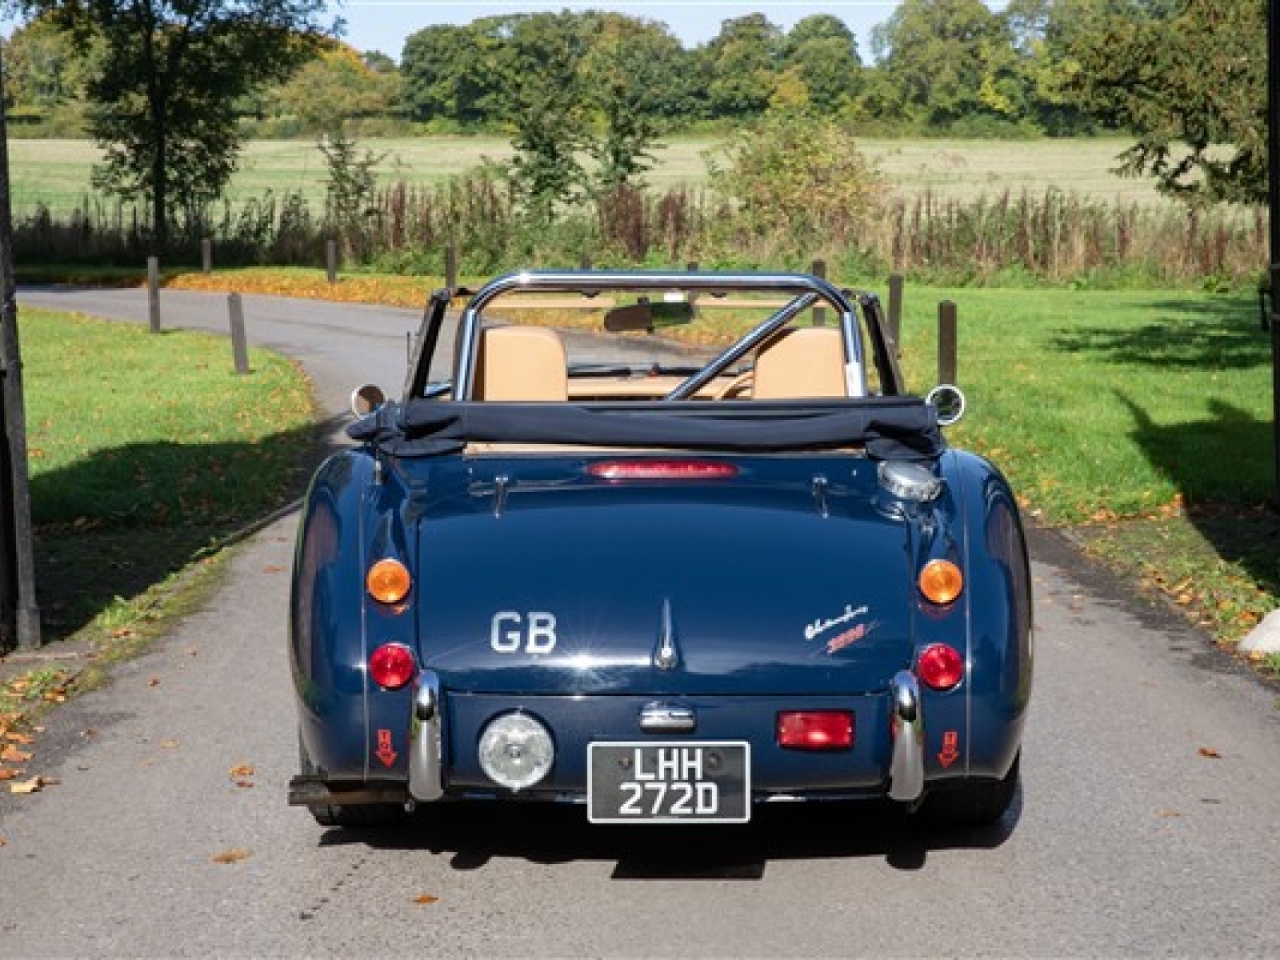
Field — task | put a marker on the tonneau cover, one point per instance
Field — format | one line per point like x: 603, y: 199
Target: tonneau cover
x: 889, y: 427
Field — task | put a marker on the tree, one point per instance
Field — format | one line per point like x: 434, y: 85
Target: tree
x: 744, y: 59
x: 1189, y: 80
x: 822, y: 54
x: 945, y: 60
x: 335, y: 87
x: 42, y: 68
x: 448, y: 73
x: 797, y: 175
x: 627, y: 69
x: 163, y: 94
x: 539, y: 96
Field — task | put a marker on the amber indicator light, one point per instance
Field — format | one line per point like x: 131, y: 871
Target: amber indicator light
x: 388, y: 581
x: 941, y: 582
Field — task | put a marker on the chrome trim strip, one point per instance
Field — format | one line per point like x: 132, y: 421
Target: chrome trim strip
x: 906, y: 769
x: 426, y: 755
x: 667, y: 718
x: 666, y: 656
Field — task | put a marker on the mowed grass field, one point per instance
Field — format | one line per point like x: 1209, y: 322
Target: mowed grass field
x: 56, y: 172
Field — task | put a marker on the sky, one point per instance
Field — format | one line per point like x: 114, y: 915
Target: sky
x: 383, y: 25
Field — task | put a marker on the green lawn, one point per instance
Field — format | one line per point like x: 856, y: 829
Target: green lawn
x: 56, y: 172
x: 143, y: 450
x: 1101, y: 404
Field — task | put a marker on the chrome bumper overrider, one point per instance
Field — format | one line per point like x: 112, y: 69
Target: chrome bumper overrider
x: 906, y: 769
x: 426, y: 776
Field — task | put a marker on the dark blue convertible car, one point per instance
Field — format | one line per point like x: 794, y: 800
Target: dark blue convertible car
x: 596, y: 564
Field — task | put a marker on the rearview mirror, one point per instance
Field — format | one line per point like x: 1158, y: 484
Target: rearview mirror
x: 647, y: 315
x: 949, y: 401
x: 366, y: 398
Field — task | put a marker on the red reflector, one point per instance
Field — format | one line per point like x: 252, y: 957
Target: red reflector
x: 662, y: 470
x: 392, y: 666
x: 815, y: 729
x: 940, y: 667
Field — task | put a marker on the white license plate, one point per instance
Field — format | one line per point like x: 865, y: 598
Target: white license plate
x: 672, y: 782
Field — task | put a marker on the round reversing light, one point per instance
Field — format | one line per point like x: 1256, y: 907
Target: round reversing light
x: 909, y: 481
x: 388, y: 581
x: 940, y: 667
x: 516, y: 751
x: 392, y: 666
x: 941, y: 582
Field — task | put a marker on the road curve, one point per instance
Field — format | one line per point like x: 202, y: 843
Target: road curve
x: 1146, y: 825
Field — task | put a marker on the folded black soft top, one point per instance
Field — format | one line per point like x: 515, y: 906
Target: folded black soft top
x: 889, y: 427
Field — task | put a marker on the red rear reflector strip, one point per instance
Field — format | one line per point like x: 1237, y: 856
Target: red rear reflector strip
x: 815, y: 729
x: 662, y: 470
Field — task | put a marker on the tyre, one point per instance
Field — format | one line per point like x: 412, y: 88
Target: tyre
x: 978, y: 804
x: 347, y: 814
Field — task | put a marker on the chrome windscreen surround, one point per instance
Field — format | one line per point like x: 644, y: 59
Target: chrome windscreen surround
x: 906, y: 768
x: 909, y: 481
x: 426, y: 773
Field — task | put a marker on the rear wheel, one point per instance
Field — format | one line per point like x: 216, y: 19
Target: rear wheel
x: 347, y: 814
x: 977, y: 804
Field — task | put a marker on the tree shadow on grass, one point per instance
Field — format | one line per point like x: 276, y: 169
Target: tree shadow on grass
x: 110, y: 526
x: 1191, y: 335
x: 1208, y: 460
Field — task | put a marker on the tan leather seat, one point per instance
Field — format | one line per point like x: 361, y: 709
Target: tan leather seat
x: 521, y: 363
x: 806, y: 362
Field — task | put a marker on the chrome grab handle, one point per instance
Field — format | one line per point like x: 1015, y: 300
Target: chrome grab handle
x: 667, y: 718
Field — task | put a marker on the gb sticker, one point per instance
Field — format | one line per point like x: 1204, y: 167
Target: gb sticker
x: 533, y: 632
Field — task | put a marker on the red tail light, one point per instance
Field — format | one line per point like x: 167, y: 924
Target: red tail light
x: 815, y: 729
x: 662, y: 470
x: 940, y: 667
x: 392, y: 666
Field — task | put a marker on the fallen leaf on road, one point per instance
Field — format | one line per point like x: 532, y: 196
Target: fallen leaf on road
x: 14, y: 755
x: 272, y: 569
x: 240, y: 771
x: 244, y: 783
x: 426, y: 898
x: 153, y: 682
x: 169, y: 744
x: 231, y: 856
x: 14, y: 737
x: 1211, y: 754
x: 1168, y: 814
x: 34, y: 785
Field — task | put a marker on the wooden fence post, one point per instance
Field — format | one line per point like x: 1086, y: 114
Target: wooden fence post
x: 451, y: 266
x: 819, y: 270
x: 206, y: 254
x: 331, y: 260
x: 153, y: 293
x: 239, y: 345
x: 947, y: 342
x: 895, y: 310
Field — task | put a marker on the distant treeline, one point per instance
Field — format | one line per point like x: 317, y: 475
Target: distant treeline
x: 935, y: 66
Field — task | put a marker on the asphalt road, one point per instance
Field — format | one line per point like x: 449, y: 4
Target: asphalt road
x: 1147, y: 824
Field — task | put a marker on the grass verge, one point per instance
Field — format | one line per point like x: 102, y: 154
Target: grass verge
x: 147, y: 454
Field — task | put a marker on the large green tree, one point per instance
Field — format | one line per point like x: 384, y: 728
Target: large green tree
x: 946, y: 60
x: 539, y: 97
x: 163, y: 92
x: 744, y: 59
x: 1188, y: 79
